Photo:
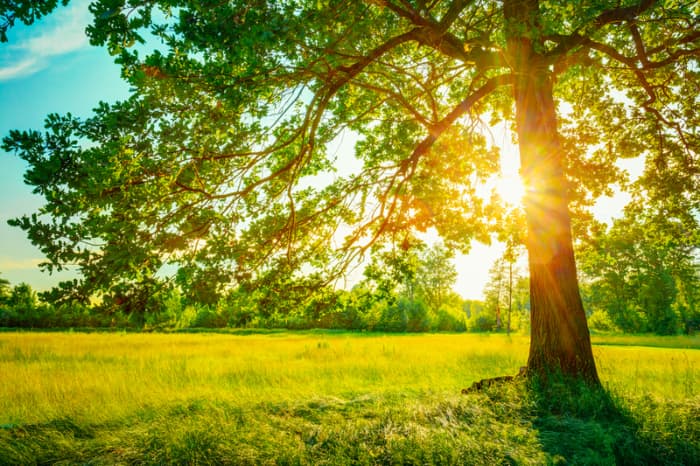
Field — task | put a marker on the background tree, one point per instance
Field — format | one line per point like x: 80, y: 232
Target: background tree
x: 490, y: 317
x: 643, y: 271
x: 414, y: 283
x: 23, y: 297
x: 393, y: 269
x: 513, y: 234
x: 506, y: 290
x: 217, y: 159
x: 415, y: 272
x: 4, y: 290
x: 436, y: 276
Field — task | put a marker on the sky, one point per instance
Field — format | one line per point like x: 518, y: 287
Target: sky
x: 49, y: 67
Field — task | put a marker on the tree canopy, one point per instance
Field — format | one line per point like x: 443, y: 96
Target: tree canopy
x: 226, y: 160
x: 24, y: 11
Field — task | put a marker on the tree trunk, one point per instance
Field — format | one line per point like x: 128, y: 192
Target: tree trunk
x: 560, y: 341
x: 510, y: 294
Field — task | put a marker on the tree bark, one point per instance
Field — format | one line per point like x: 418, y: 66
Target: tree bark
x: 560, y: 341
x: 510, y: 294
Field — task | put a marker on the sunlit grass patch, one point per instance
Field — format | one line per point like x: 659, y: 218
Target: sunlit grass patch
x: 95, y: 375
x: 668, y: 373
x: 655, y: 341
x: 318, y: 398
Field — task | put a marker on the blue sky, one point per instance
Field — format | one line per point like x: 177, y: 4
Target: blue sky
x: 49, y: 67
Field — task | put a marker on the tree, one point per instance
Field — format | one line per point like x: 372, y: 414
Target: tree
x: 4, y: 290
x: 513, y: 228
x: 414, y: 271
x: 493, y: 292
x: 25, y: 11
x: 413, y: 282
x: 507, y: 298
x: 393, y: 269
x: 436, y: 276
x: 643, y: 270
x: 224, y: 157
x: 23, y: 297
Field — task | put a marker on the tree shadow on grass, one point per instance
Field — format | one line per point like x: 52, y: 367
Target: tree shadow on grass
x: 510, y: 424
x: 579, y: 424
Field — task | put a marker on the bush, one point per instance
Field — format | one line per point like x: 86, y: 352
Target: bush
x: 448, y: 319
x: 481, y: 323
x: 600, y: 321
x: 692, y: 325
x: 417, y: 318
x: 666, y: 323
x: 208, y: 317
x: 393, y: 318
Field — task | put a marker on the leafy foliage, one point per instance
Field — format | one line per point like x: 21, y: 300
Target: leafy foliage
x: 205, y: 165
x: 25, y: 11
x: 643, y: 272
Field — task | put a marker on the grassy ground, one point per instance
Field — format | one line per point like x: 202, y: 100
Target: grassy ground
x: 316, y: 398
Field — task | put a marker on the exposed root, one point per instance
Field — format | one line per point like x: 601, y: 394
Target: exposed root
x: 484, y: 383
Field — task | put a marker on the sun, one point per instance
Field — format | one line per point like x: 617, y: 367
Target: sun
x: 510, y: 188
x: 507, y: 184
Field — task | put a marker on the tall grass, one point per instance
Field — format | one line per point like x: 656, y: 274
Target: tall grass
x: 315, y: 398
x: 97, y: 376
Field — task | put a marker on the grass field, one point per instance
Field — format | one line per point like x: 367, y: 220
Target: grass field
x: 328, y: 398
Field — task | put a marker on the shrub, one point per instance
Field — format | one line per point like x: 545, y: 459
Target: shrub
x: 449, y: 319
x: 600, y: 321
x: 481, y: 323
x: 208, y: 317
x: 417, y: 317
x: 393, y: 318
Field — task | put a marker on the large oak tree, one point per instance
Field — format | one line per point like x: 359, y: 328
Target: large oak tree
x: 224, y: 160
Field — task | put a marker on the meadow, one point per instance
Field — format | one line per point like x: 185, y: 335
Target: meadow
x: 338, y: 398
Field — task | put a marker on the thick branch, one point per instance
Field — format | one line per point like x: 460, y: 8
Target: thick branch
x: 441, y: 126
x: 453, y: 12
x: 615, y: 15
x: 436, y: 35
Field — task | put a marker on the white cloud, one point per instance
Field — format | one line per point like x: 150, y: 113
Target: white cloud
x: 61, y: 33
x: 20, y: 264
x: 23, y: 68
x: 67, y: 36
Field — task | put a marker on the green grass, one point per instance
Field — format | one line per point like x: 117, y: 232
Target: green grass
x: 336, y: 398
x: 676, y: 341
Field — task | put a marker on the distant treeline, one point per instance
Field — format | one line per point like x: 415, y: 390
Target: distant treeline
x: 401, y: 292
x: 358, y: 309
x: 361, y: 308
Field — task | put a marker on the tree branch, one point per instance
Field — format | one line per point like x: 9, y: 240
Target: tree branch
x: 440, y: 127
x: 615, y: 15
x: 436, y: 35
